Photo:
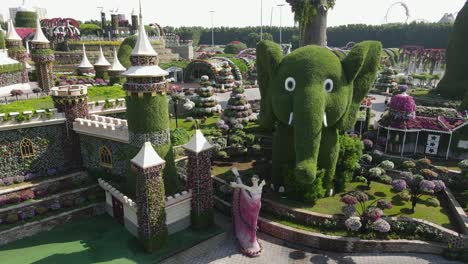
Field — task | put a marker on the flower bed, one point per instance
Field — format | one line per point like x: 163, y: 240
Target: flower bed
x: 41, y: 190
x: 14, y: 215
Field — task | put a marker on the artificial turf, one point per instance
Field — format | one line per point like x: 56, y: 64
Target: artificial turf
x: 97, y: 240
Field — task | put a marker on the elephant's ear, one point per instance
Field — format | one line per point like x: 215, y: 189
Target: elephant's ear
x: 360, y: 66
x: 269, y: 56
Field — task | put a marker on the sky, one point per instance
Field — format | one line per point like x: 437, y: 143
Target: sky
x: 241, y: 12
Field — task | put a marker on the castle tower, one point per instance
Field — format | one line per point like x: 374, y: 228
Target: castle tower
x: 116, y: 69
x: 199, y: 152
x: 85, y: 66
x: 43, y: 58
x: 150, y: 198
x: 72, y: 100
x: 147, y: 106
x: 134, y: 24
x: 101, y: 66
x: 16, y: 51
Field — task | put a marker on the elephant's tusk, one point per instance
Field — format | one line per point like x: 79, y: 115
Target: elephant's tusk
x: 291, y: 117
x: 325, y: 123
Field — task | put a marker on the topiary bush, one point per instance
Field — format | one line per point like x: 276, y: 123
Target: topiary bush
x: 433, y: 202
x: 25, y: 19
x: 2, y: 40
x: 125, y: 50
x: 350, y: 152
x: 308, y: 193
x: 235, y: 47
x: 12, y: 218
x: 179, y: 136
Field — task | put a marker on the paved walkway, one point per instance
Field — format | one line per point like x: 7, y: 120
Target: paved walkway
x: 223, y: 250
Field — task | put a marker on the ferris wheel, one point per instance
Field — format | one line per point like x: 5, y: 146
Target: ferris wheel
x: 396, y: 5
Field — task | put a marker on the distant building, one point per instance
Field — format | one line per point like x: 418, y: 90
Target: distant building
x: 448, y: 18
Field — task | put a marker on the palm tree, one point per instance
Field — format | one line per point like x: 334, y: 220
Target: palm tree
x: 312, y: 18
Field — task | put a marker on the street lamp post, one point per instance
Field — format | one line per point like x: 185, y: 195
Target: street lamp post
x: 281, y: 23
x: 261, y: 20
x: 212, y: 28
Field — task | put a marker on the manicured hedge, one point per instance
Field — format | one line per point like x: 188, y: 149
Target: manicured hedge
x: 11, y: 68
x: 2, y: 40
x: 25, y: 19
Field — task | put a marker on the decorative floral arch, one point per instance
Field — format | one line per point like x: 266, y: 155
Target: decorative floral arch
x: 209, y: 67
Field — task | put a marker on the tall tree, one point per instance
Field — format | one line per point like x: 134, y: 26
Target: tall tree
x: 312, y: 18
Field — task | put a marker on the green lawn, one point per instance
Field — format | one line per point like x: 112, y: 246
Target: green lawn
x: 95, y: 94
x: 97, y: 240
x: 332, y: 205
x: 208, y: 125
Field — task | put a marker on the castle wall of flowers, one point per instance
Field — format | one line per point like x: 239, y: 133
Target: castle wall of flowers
x: 90, y: 147
x: 47, y: 156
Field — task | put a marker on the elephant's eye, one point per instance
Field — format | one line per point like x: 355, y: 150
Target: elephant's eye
x: 290, y: 84
x: 328, y: 85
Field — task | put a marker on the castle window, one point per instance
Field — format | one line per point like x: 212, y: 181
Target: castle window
x: 27, y: 149
x: 105, y: 156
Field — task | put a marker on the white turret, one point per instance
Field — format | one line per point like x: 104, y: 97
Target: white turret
x: 85, y: 64
x: 102, y: 61
x: 39, y: 37
x: 143, y: 48
x: 12, y: 34
x: 116, y: 65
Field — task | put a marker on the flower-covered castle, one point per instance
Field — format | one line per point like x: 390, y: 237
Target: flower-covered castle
x: 133, y: 158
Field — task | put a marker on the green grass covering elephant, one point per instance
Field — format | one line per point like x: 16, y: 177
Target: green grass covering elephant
x: 308, y: 97
x: 454, y: 84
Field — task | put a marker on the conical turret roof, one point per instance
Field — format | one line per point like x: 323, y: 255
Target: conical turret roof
x: 143, y: 48
x: 102, y: 61
x: 198, y: 143
x: 85, y: 64
x: 12, y: 34
x: 39, y: 37
x: 143, y: 45
x: 116, y: 65
x: 147, y: 157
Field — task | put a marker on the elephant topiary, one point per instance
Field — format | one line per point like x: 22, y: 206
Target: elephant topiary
x: 308, y: 97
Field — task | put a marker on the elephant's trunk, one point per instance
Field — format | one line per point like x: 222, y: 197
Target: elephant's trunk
x: 309, y: 117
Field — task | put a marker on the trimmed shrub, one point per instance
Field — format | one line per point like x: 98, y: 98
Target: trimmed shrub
x: 2, y: 40
x: 25, y: 19
x: 433, y: 202
x: 385, y: 179
x: 222, y: 155
x: 235, y: 47
x: 361, y: 178
x: 463, y: 165
x: 41, y: 210
x: 387, y: 165
x: 350, y: 153
x: 405, y: 196
x: 429, y: 174
x: 424, y: 162
x: 125, y: 51
x: 408, y: 164
x: 179, y: 136
x: 12, y: 218
x: 308, y: 193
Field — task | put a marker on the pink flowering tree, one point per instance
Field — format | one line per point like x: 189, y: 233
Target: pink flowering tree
x: 363, y: 215
x: 417, y: 186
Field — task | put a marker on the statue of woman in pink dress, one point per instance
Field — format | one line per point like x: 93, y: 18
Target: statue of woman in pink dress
x: 246, y: 205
